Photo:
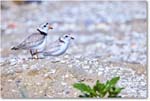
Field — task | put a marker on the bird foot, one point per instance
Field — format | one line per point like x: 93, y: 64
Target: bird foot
x: 36, y: 58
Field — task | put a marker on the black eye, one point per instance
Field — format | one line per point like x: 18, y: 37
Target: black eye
x: 44, y: 25
x: 66, y: 36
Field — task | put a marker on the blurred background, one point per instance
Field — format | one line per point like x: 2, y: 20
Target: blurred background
x: 110, y: 40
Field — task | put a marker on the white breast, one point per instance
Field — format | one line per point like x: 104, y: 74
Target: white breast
x: 62, y: 49
x: 41, y: 47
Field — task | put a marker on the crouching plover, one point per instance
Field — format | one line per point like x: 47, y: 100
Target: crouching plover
x: 59, y: 47
x: 36, y: 42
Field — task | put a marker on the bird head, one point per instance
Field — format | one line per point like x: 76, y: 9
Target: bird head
x: 44, y: 28
x: 66, y: 38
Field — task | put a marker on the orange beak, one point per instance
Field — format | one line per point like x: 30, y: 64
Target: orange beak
x: 50, y: 27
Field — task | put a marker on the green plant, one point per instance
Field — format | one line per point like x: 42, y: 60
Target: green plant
x: 100, y: 90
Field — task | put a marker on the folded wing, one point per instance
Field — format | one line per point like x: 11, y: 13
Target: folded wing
x: 31, y: 41
x: 53, y: 48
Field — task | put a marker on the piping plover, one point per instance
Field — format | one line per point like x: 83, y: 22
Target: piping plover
x: 36, y: 42
x: 59, y: 47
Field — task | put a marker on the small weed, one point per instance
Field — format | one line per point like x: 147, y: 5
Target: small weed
x: 100, y: 90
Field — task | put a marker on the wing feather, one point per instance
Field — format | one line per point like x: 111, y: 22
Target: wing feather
x: 32, y: 41
x: 53, y: 47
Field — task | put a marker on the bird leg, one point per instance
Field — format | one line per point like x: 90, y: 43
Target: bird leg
x: 31, y: 54
x: 36, y: 54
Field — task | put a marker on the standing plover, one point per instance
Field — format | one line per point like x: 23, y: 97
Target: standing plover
x: 36, y: 42
x: 59, y: 47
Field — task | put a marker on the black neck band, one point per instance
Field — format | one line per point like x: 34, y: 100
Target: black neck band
x: 61, y: 40
x: 43, y: 33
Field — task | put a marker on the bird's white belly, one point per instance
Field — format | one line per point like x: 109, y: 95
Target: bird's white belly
x: 62, y: 50
x: 41, y: 47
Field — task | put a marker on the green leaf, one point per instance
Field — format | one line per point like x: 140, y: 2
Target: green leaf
x: 86, y: 89
x: 83, y: 87
x: 99, y: 88
x: 109, y: 85
x: 113, y: 81
x: 118, y: 90
x: 114, y: 92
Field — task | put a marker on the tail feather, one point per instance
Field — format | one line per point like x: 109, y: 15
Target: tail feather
x: 14, y: 48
